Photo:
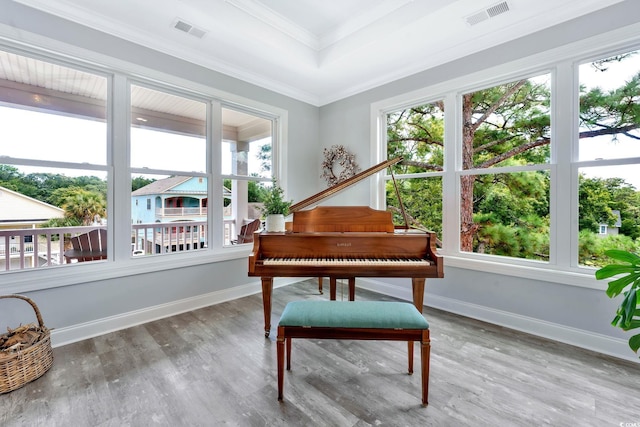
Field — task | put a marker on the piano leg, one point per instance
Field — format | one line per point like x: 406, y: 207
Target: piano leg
x: 320, y: 285
x: 418, y: 292
x: 267, y: 289
x: 352, y: 288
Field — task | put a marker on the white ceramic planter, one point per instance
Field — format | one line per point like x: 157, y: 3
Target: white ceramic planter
x: 275, y: 223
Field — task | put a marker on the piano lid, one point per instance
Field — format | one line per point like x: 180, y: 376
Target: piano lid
x: 331, y: 191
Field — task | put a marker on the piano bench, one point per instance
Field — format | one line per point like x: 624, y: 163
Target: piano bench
x: 354, y: 320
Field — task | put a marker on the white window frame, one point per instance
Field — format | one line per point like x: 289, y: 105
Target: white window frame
x: 563, y: 63
x: 119, y: 187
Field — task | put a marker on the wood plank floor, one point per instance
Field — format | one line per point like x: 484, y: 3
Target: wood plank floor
x: 214, y: 367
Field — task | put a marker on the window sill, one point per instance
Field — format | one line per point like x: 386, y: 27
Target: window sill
x: 527, y: 270
x: 47, y: 278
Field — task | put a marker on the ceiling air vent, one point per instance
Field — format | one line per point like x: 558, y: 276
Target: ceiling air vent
x: 181, y: 25
x: 490, y: 12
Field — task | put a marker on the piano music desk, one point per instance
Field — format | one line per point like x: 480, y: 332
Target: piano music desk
x: 358, y: 320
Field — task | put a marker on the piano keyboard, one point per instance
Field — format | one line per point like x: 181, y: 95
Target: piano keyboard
x: 322, y: 262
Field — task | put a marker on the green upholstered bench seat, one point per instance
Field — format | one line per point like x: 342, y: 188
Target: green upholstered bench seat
x: 354, y: 320
x: 353, y: 314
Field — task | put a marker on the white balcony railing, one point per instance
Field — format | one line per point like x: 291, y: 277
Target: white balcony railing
x: 175, y: 212
x: 160, y: 238
x: 22, y: 249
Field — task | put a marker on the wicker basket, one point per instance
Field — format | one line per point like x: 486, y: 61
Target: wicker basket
x: 30, y: 363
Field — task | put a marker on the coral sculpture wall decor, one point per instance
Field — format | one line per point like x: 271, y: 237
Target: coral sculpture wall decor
x: 338, y: 165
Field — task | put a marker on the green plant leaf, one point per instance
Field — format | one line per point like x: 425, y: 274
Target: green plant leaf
x: 628, y: 312
x: 634, y: 325
x: 615, y: 287
x: 634, y: 342
x: 623, y: 256
x: 613, y: 270
x: 615, y: 320
x: 628, y: 308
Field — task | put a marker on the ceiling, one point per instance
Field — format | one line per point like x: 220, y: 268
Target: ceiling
x: 319, y: 51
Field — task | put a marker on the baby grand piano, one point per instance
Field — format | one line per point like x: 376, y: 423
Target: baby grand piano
x: 344, y: 242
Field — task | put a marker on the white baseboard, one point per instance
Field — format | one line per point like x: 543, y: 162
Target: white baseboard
x: 615, y: 347
x: 591, y: 341
x: 83, y: 331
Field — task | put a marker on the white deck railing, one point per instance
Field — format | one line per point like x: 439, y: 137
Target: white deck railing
x: 196, y: 211
x: 36, y: 247
x: 32, y: 248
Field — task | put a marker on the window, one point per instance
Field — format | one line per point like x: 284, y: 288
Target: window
x: 417, y: 135
x: 503, y: 209
x: 247, y: 167
x: 168, y: 144
x: 609, y: 153
x: 54, y: 167
x: 504, y: 167
x: 66, y: 149
x: 510, y: 172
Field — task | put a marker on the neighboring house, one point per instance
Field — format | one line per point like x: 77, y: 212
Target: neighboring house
x: 611, y: 229
x: 178, y: 198
x: 173, y: 199
x: 20, y: 212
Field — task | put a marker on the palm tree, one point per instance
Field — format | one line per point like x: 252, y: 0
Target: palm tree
x: 84, y: 205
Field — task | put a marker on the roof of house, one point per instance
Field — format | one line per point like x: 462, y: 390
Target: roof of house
x: 161, y: 186
x: 168, y: 185
x: 16, y: 207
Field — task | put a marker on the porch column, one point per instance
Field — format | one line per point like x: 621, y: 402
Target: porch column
x: 239, y: 193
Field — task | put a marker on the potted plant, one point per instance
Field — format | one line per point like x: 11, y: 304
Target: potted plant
x: 275, y: 208
x: 628, y: 313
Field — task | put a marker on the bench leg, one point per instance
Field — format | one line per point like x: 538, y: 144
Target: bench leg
x: 425, y: 354
x: 410, y: 353
x: 288, y: 344
x: 280, y: 353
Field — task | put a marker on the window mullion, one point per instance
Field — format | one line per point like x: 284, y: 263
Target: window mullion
x: 450, y: 181
x: 214, y: 168
x: 120, y: 215
x: 563, y: 238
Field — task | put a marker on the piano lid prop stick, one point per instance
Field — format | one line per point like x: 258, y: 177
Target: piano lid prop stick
x: 404, y: 213
x: 316, y: 198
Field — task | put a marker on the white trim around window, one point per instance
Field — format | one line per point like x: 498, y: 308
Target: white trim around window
x: 562, y: 63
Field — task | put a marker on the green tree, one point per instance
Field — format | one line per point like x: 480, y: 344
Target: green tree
x: 598, y: 199
x: 139, y: 182
x: 257, y: 192
x: 265, y: 157
x: 594, y: 201
x: 12, y: 179
x: 8, y: 173
x: 84, y: 205
x: 510, y: 124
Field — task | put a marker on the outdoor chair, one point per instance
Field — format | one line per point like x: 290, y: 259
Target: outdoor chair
x: 91, y: 246
x: 249, y: 226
